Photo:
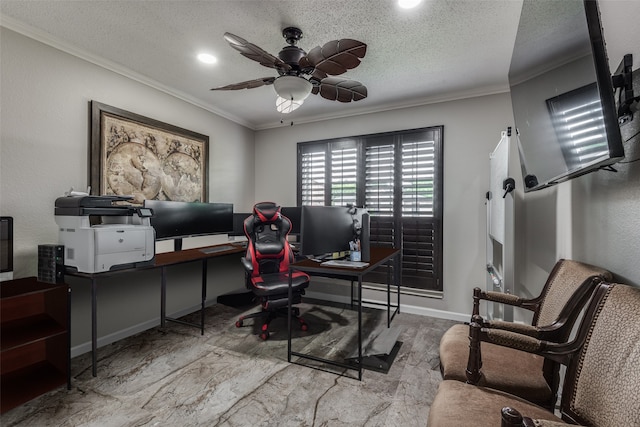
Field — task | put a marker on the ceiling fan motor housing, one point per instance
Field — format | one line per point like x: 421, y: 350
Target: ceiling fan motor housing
x: 291, y: 55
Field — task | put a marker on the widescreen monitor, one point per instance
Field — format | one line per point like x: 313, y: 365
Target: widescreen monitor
x: 177, y: 220
x: 329, y: 229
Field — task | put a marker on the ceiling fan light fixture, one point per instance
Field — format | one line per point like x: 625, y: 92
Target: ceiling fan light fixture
x: 293, y: 88
x: 408, y: 4
x: 207, y: 58
x: 285, y: 106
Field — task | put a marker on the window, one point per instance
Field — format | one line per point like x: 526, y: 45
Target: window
x: 397, y: 177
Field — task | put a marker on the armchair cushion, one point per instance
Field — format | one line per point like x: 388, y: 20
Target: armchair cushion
x: 458, y: 404
x: 498, y: 366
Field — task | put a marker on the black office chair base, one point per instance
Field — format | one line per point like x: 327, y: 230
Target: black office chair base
x: 270, y: 315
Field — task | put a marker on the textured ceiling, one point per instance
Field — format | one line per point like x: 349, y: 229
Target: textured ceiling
x: 440, y: 50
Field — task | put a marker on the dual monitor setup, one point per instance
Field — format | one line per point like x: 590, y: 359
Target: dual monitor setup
x: 321, y: 230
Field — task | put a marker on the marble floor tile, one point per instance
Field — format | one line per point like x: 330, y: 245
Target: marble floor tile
x: 174, y: 376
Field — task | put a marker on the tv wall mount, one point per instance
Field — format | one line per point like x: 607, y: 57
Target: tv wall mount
x: 623, y: 80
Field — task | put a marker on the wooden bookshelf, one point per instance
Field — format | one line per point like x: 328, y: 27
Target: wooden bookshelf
x: 34, y: 340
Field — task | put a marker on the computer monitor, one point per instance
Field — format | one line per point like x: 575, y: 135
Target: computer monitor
x: 328, y: 229
x: 238, y: 223
x: 177, y: 220
x: 294, y: 213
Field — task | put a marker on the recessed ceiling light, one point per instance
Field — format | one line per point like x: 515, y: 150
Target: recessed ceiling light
x: 207, y: 58
x: 408, y: 4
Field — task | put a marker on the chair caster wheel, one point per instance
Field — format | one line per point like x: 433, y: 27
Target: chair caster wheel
x: 264, y: 336
x: 303, y: 325
x: 239, y: 324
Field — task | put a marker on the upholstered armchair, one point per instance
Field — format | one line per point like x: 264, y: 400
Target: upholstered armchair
x: 555, y: 310
x: 600, y: 386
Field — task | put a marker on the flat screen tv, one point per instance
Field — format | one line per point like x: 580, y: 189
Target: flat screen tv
x: 178, y: 220
x: 562, y: 93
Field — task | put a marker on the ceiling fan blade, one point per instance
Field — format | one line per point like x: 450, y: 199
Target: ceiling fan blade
x: 249, y: 84
x: 255, y: 53
x: 335, y: 57
x: 339, y: 89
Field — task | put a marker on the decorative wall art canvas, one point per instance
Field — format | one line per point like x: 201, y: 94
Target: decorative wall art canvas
x: 145, y: 158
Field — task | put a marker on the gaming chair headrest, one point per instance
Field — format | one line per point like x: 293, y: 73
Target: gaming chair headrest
x: 266, y: 211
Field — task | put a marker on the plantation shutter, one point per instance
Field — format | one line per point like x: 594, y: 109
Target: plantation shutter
x: 379, y: 193
x: 344, y: 159
x: 397, y: 177
x: 418, y: 201
x: 312, y: 173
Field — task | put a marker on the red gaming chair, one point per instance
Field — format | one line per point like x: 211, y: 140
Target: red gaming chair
x: 267, y: 265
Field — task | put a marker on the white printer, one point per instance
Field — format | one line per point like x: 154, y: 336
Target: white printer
x: 99, y: 235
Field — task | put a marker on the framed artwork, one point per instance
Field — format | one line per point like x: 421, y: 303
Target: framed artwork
x: 145, y: 158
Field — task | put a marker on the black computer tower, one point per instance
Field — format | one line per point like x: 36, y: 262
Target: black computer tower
x: 51, y: 263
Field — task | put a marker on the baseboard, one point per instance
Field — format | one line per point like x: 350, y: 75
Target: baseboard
x: 343, y: 299
x: 404, y: 308
x: 132, y: 330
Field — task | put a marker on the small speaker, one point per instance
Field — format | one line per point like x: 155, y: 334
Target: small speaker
x: 365, y: 237
x: 51, y: 263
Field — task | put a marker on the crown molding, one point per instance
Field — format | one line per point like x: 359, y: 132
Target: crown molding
x: 48, y: 39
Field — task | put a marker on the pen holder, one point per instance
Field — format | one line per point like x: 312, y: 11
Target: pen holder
x: 355, y: 256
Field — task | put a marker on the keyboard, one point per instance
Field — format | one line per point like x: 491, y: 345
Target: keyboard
x: 344, y: 263
x: 216, y: 249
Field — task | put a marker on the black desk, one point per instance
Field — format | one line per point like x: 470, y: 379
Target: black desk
x: 161, y: 261
x: 379, y: 256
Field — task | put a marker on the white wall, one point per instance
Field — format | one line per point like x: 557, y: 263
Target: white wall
x: 593, y: 218
x: 471, y: 131
x: 44, y: 151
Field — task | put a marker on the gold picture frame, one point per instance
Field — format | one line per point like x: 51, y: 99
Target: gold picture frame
x: 144, y: 158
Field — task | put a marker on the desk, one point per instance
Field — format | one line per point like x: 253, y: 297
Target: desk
x: 161, y: 261
x: 379, y: 256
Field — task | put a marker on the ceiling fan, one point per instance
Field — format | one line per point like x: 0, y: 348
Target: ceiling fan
x: 302, y: 73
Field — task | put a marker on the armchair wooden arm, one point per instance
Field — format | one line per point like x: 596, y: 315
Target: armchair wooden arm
x: 509, y: 299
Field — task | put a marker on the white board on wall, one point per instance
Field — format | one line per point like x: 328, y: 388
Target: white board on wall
x: 499, y: 169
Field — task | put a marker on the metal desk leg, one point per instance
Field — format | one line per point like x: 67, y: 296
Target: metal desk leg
x: 204, y: 295
x: 360, y: 327
x: 94, y: 326
x: 163, y: 296
x: 398, y: 275
x: 389, y: 294
x: 289, y: 317
x: 68, y: 337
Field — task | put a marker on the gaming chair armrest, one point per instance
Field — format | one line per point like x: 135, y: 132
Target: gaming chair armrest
x: 246, y: 264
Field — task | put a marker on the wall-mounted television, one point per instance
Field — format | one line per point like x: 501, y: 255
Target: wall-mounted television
x: 562, y: 93
x: 178, y: 220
